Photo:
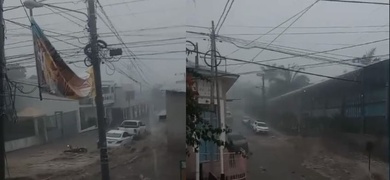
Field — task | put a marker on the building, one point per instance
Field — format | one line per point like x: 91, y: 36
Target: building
x: 88, y: 113
x: 357, y: 97
x: 39, y: 121
x: 351, y: 108
x: 208, y: 160
x: 120, y: 102
x: 123, y: 105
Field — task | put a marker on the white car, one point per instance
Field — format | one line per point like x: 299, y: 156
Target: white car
x: 117, y: 138
x: 260, y: 127
x: 133, y: 127
x: 246, y: 120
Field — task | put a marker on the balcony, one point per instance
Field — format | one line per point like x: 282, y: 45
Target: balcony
x: 107, y: 99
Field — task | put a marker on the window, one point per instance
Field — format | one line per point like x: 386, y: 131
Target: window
x: 130, y: 124
x: 51, y: 122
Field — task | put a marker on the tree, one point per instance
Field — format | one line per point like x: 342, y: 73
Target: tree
x: 282, y: 81
x: 16, y: 71
x: 367, y: 58
x: 198, y: 129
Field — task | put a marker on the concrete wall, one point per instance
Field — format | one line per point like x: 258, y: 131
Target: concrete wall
x: 22, y: 143
x: 45, y: 107
x: 31, y: 106
x: 176, y: 118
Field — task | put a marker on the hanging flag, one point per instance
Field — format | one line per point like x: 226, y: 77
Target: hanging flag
x: 54, y: 75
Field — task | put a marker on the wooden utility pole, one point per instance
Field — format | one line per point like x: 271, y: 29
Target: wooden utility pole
x: 98, y: 87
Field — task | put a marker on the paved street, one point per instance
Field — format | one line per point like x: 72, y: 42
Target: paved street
x: 276, y: 156
x: 147, y: 157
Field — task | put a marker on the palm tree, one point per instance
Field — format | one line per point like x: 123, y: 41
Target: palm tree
x: 282, y: 81
x: 368, y: 58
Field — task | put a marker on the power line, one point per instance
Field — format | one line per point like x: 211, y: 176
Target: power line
x: 60, y: 14
x: 303, y: 13
x: 117, y: 36
x: 231, y: 4
x: 223, y: 12
x: 312, y: 53
x: 359, y: 2
x: 79, y: 9
x: 308, y: 33
x: 285, y: 69
x: 273, y: 28
x: 312, y: 27
x: 112, y: 28
x: 322, y: 58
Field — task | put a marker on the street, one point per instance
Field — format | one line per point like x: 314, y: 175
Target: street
x: 277, y: 156
x: 146, y: 158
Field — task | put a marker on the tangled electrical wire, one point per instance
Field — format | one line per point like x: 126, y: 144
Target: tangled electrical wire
x: 103, y: 54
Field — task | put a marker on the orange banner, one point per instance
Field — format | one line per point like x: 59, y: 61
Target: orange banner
x: 54, y: 75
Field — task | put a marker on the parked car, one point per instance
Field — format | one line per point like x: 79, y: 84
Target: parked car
x: 237, y: 143
x: 260, y: 127
x: 134, y: 127
x: 117, y: 138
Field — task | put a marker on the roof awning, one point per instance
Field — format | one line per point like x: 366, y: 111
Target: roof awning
x: 30, y: 112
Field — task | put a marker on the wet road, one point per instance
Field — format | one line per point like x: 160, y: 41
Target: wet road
x: 273, y: 157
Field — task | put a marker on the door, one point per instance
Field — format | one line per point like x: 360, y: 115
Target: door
x: 142, y: 127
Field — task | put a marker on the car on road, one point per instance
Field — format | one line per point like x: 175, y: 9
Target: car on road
x: 134, y: 127
x: 260, y: 127
x: 237, y: 143
x: 246, y: 120
x: 117, y: 138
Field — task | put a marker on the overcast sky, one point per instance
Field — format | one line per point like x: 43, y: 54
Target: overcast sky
x: 136, y: 21
x: 256, y: 17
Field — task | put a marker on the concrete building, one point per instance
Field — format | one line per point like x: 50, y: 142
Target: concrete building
x: 123, y: 103
x: 209, y: 159
x: 39, y: 121
x: 88, y: 113
x: 175, y: 121
x: 358, y: 97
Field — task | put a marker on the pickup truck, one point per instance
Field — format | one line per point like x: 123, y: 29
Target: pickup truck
x: 133, y: 127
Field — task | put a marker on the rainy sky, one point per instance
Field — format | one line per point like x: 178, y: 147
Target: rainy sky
x: 152, y: 29
x: 325, y: 26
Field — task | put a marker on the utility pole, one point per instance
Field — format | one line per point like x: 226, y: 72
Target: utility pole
x: 212, y: 104
x: 39, y: 69
x: 263, y: 98
x: 2, y: 92
x: 98, y: 87
x: 218, y: 109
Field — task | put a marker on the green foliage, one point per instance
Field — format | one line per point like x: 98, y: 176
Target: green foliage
x: 198, y: 129
x: 368, y: 58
